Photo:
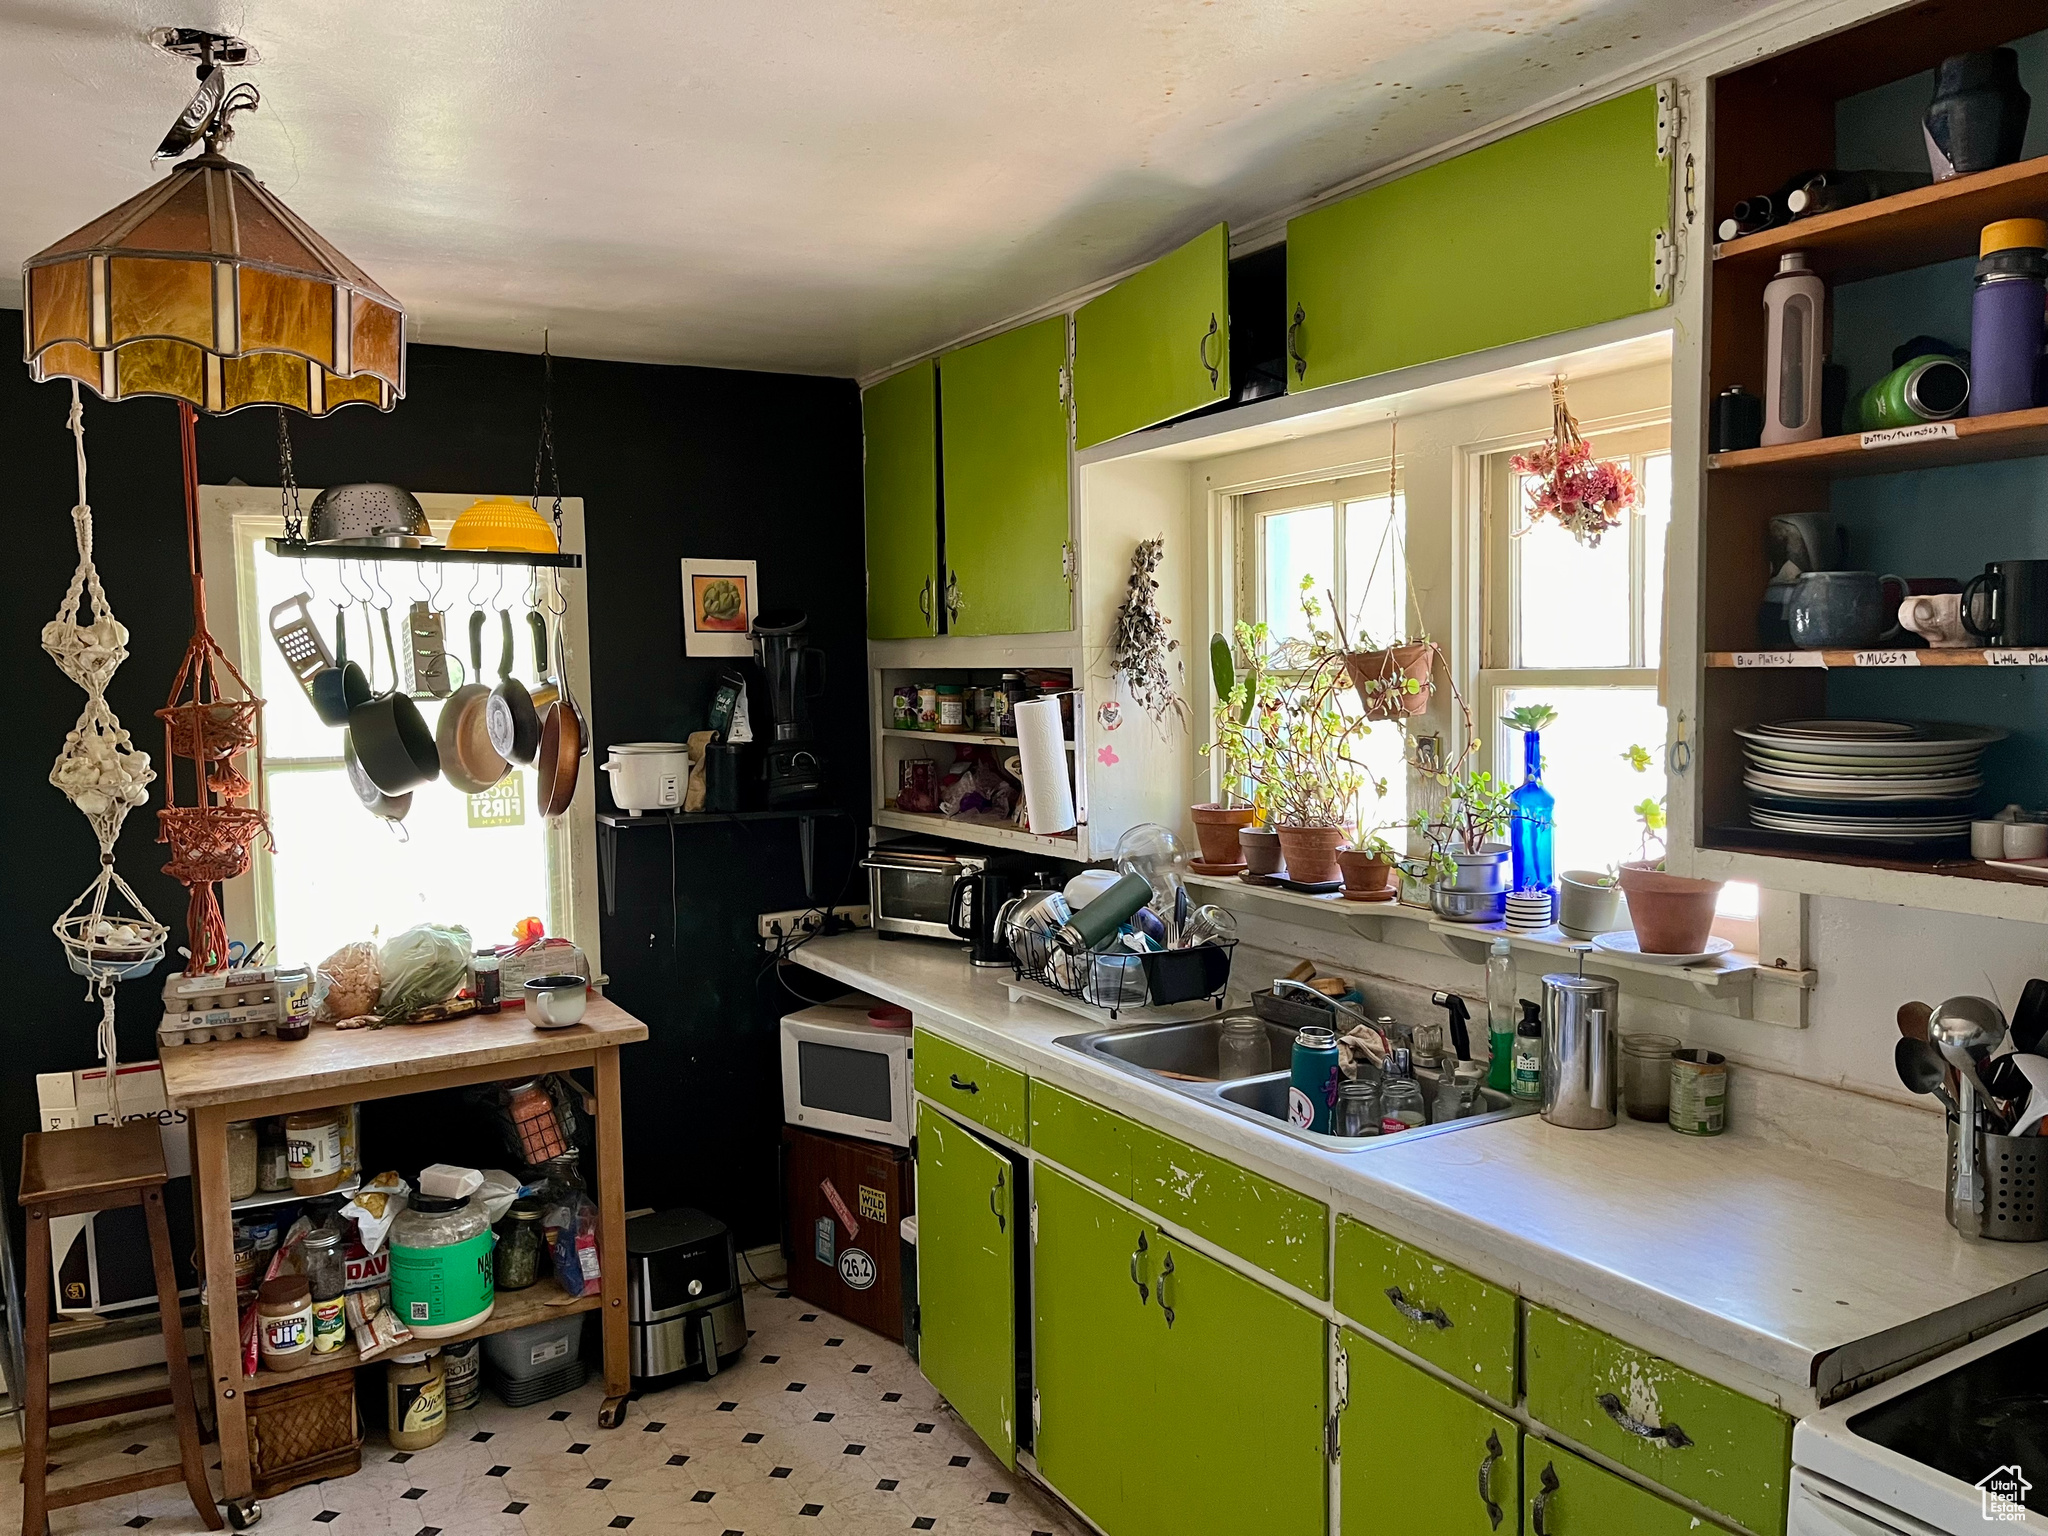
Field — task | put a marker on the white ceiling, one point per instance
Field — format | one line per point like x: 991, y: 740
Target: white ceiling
x: 827, y: 186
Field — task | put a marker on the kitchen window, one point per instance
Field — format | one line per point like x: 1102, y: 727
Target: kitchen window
x: 482, y: 861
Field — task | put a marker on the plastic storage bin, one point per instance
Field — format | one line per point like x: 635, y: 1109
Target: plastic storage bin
x: 539, y: 1361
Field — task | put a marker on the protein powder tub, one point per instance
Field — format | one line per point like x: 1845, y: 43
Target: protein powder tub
x: 441, y: 1278
x: 462, y: 1364
x: 416, y: 1397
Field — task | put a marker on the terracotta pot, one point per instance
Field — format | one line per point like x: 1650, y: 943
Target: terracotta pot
x: 1364, y: 871
x: 1261, y: 849
x: 1367, y: 669
x: 1217, y: 827
x: 1670, y: 914
x: 1311, y: 853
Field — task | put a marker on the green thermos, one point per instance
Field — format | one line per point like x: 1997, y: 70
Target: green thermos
x: 1929, y: 388
x: 1096, y: 924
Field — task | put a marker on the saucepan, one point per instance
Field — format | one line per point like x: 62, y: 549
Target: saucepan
x: 390, y: 735
x: 339, y: 688
x: 387, y: 807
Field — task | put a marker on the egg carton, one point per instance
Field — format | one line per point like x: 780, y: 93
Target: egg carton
x: 232, y: 1005
x: 217, y: 1024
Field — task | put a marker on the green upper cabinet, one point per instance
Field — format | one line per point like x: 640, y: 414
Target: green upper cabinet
x: 1549, y: 230
x: 1157, y: 345
x: 900, y: 423
x: 1422, y: 1456
x: 1005, y: 458
x: 968, y: 1206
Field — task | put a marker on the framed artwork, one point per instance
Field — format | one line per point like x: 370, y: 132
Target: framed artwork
x: 720, y: 599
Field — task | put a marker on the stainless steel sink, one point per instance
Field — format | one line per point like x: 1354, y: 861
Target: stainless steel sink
x: 1182, y: 1058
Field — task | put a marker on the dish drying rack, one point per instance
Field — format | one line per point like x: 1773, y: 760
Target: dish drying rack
x: 231, y: 1005
x: 1117, y: 979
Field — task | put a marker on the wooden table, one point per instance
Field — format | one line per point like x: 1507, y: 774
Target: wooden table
x: 255, y: 1079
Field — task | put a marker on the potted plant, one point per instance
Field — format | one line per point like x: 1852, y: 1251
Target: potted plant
x: 1472, y: 867
x: 1671, y: 914
x: 1368, y: 862
x: 1588, y: 902
x: 1391, y: 677
x: 1218, y: 822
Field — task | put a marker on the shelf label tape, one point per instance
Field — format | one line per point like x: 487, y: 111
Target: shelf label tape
x: 1745, y: 659
x: 1919, y: 432
x: 1887, y: 658
x: 2014, y: 656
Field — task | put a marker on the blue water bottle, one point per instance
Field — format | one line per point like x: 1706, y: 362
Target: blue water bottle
x: 1312, y: 1089
x: 2006, y: 316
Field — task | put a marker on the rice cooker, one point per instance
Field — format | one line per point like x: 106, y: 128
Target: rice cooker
x: 648, y: 775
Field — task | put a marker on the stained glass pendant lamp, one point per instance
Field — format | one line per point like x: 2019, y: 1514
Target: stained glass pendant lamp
x: 206, y: 288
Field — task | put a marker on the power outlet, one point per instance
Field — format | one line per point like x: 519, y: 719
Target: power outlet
x: 774, y: 927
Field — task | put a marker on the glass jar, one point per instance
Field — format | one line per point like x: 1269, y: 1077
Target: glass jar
x: 284, y: 1308
x: 416, y: 1400
x: 441, y: 1266
x: 484, y: 967
x: 518, y: 1259
x: 313, y: 1150
x: 1358, y: 1108
x: 1008, y: 692
x: 1242, y: 1049
x: 273, y: 1164
x: 243, y: 1158
x: 927, y: 707
x: 1646, y: 1075
x: 535, y: 1123
x: 952, y: 706
x: 1401, y: 1106
x: 326, y: 1274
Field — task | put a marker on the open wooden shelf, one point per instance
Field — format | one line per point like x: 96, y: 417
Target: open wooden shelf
x: 957, y: 738
x: 1911, y: 229
x: 1788, y: 845
x: 994, y: 832
x: 1977, y: 440
x: 1879, y: 659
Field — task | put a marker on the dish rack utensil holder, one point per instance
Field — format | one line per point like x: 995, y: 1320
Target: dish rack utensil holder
x: 1118, y: 979
x: 2011, y: 1204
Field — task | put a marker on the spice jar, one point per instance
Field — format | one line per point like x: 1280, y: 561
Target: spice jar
x: 273, y: 1167
x: 518, y: 1255
x: 416, y: 1400
x: 242, y: 1159
x: 484, y: 967
x: 535, y: 1123
x: 284, y: 1312
x: 441, y: 1277
x: 313, y: 1150
x: 327, y: 1275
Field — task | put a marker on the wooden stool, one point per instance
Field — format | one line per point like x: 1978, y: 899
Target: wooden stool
x: 68, y: 1173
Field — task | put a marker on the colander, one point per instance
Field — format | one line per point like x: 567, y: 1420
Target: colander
x: 350, y: 514
x: 502, y: 522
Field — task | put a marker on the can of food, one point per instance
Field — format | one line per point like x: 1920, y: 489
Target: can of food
x: 927, y: 707
x: 1699, y: 1092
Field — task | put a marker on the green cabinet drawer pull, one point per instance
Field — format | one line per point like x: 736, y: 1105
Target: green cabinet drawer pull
x: 924, y: 600
x: 1493, y: 1455
x: 966, y: 1087
x: 995, y: 1204
x: 1542, y: 1503
x: 1166, y: 1274
x: 1137, y: 1253
x: 1202, y: 351
x: 1435, y: 1316
x: 1293, y: 347
x: 1670, y: 1434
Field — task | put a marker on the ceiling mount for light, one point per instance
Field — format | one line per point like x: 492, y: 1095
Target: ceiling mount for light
x: 206, y: 288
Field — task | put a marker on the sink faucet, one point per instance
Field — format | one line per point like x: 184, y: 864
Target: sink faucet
x: 1288, y: 983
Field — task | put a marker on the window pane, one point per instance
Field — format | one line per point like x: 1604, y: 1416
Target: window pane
x: 1654, y: 523
x: 1738, y: 899
x: 1375, y: 585
x: 1572, y: 603
x: 1583, y: 767
x: 1298, y: 544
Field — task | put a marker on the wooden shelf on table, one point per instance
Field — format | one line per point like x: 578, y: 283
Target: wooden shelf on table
x: 544, y: 1301
x: 959, y: 738
x: 1978, y: 440
x: 1879, y: 658
x: 1934, y: 223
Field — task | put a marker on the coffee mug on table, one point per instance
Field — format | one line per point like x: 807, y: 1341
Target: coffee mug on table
x: 1937, y: 619
x: 2008, y: 603
x: 1843, y: 609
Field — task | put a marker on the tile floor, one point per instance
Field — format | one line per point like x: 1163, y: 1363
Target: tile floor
x: 822, y: 1427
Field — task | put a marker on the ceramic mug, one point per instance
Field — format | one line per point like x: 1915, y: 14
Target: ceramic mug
x: 1798, y: 542
x: 1842, y: 609
x: 1937, y: 619
x: 1987, y: 839
x: 2024, y: 839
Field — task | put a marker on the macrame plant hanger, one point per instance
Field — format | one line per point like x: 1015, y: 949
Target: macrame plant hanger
x: 210, y: 728
x: 107, y: 933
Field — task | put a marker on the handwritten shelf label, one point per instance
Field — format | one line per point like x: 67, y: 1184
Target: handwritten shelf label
x: 1744, y: 659
x: 2014, y: 656
x: 1887, y: 658
x: 1920, y: 432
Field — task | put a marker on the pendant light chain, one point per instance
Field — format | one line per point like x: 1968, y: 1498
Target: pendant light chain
x: 287, y: 479
x: 545, y: 448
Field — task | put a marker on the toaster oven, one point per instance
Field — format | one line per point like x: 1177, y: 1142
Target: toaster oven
x: 910, y: 887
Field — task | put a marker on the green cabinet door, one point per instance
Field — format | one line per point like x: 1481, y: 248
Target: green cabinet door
x: 1237, y: 1433
x: 1004, y: 452
x: 900, y: 423
x: 967, y: 1212
x: 1096, y: 1342
x: 1157, y: 345
x: 1419, y: 1455
x: 1548, y: 230
x: 1567, y: 1495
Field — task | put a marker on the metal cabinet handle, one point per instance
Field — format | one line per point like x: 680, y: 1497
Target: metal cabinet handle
x: 1202, y: 351
x: 924, y: 600
x: 1432, y: 1315
x: 1492, y: 1460
x: 952, y: 594
x: 1536, y: 1510
x: 1166, y: 1274
x: 1293, y: 340
x: 1144, y: 1292
x: 996, y: 1203
x: 966, y: 1087
x: 1670, y: 1434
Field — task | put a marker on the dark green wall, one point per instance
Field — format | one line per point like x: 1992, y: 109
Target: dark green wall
x: 670, y: 462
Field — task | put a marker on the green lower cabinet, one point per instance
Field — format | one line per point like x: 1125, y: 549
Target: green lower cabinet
x: 1566, y: 1495
x: 1420, y: 1456
x: 1454, y: 1320
x: 968, y: 1207
x: 1281, y: 1230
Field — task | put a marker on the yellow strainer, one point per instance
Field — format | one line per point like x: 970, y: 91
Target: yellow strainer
x: 502, y: 522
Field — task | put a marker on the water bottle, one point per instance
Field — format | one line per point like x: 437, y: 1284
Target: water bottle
x: 1312, y: 1087
x: 1500, y: 1016
x: 2006, y: 315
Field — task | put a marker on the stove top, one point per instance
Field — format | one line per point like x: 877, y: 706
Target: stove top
x: 1969, y: 1421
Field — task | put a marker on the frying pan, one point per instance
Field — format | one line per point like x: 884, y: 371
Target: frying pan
x: 513, y: 722
x: 390, y: 736
x: 375, y: 801
x: 564, y: 738
x: 544, y: 692
x: 471, y: 764
x: 340, y: 688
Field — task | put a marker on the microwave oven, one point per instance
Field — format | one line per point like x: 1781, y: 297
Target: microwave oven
x: 910, y: 888
x: 846, y: 1073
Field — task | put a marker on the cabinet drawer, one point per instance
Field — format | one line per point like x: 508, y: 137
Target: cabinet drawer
x: 1076, y: 1134
x: 1730, y: 1452
x: 1283, y: 1232
x: 971, y: 1086
x: 1569, y: 1496
x: 1454, y: 1320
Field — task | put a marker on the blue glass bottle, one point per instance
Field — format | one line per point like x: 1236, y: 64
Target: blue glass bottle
x: 1531, y: 831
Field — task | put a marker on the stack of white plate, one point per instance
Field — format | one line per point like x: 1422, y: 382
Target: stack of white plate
x: 1892, y: 781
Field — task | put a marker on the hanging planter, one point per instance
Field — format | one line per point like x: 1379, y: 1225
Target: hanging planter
x: 1393, y: 683
x: 1587, y: 496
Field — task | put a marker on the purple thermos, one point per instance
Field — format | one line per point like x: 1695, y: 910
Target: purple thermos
x: 2006, y: 316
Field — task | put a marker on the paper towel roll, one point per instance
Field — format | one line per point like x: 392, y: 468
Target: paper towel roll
x: 1042, y: 745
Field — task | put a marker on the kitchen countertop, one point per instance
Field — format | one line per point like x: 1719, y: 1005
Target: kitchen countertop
x: 1765, y: 1268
